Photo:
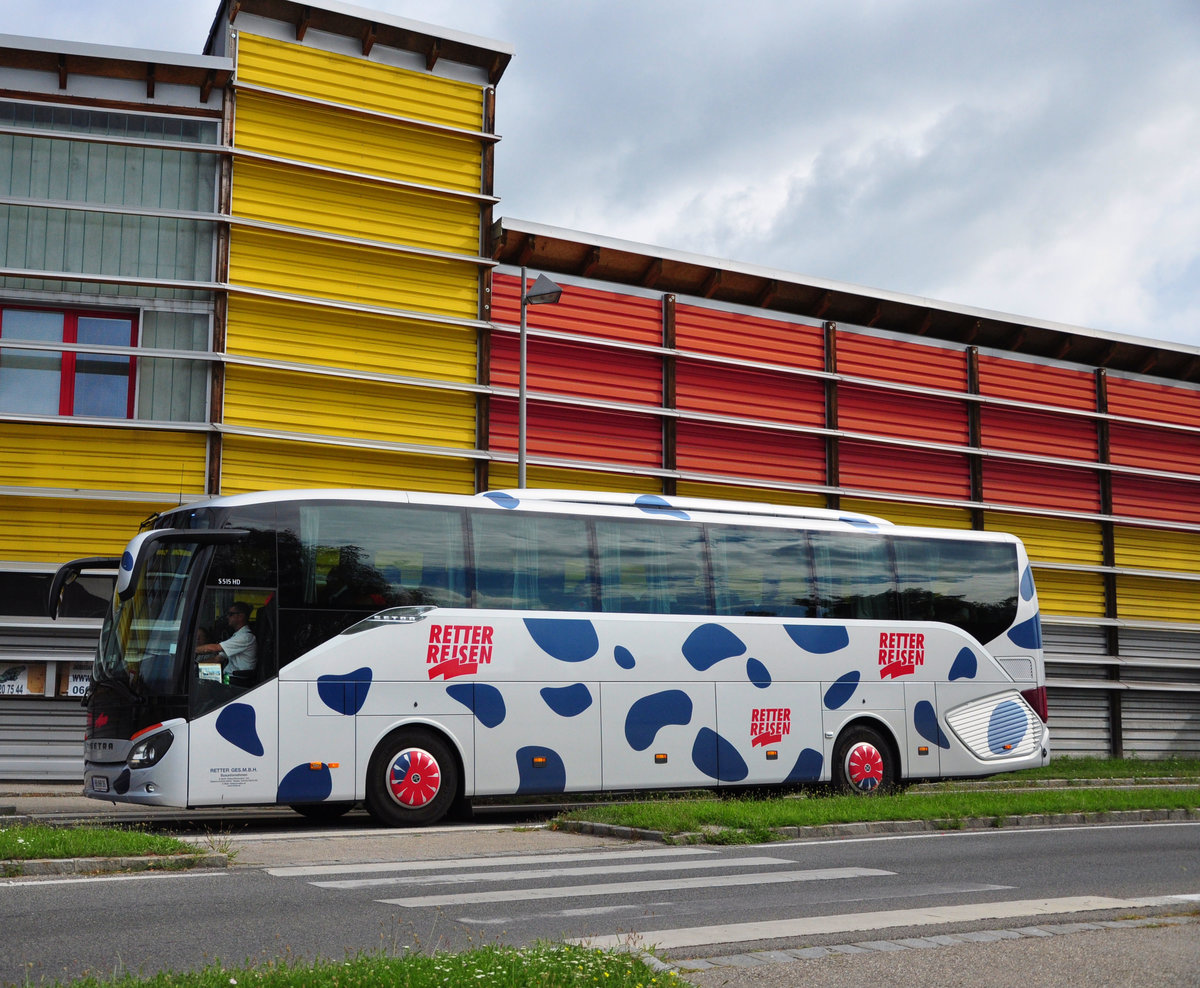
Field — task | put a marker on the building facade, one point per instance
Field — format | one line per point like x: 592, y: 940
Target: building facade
x: 276, y: 265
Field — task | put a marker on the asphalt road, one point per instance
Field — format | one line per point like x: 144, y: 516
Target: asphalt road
x: 950, y: 908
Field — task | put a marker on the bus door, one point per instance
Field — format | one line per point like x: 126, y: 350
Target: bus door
x: 775, y: 730
x: 926, y: 735
x: 233, y: 705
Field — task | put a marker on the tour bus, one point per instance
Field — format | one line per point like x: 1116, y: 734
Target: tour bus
x: 415, y: 651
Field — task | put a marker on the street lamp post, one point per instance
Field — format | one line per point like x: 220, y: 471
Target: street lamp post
x: 542, y: 292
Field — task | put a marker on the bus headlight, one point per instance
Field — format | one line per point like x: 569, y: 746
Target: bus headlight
x: 146, y: 753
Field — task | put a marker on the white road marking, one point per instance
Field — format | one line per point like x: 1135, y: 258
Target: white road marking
x: 540, y: 874
x: 992, y: 832
x: 308, y: 871
x: 628, y: 888
x: 697, y: 936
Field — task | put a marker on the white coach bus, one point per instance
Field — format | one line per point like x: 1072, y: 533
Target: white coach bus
x: 414, y: 651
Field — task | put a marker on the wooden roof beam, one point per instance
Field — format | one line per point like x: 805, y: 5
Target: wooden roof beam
x: 590, y: 263
x: 770, y: 291
x: 432, y: 54
x: 712, y: 284
x: 206, y: 87
x: 303, y: 23
x: 525, y: 255
x: 370, y: 36
x: 62, y: 71
x: 652, y: 273
x: 150, y: 72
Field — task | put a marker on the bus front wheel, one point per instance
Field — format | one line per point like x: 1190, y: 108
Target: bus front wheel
x: 412, y: 780
x: 863, y: 762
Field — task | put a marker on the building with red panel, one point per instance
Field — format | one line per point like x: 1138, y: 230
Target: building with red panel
x: 670, y: 373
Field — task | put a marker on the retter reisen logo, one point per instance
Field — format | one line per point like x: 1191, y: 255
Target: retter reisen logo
x: 900, y: 652
x: 769, y: 725
x: 458, y: 649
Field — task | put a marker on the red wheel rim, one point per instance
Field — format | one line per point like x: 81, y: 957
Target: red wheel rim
x: 864, y: 767
x: 414, y: 778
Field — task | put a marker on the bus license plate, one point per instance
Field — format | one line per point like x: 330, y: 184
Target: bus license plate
x: 99, y: 784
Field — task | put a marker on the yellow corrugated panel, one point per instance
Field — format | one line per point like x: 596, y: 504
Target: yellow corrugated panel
x: 282, y: 263
x: 331, y: 406
x: 922, y: 515
x: 355, y: 81
x: 1151, y: 548
x: 278, y: 194
x: 259, y: 464
x: 53, y: 530
x: 100, y: 459
x: 1051, y: 540
x: 730, y: 492
x: 503, y: 476
x: 1141, y: 598
x: 356, y: 340
x: 336, y: 139
x: 1067, y: 593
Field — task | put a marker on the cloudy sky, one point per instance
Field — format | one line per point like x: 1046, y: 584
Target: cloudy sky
x: 1036, y: 157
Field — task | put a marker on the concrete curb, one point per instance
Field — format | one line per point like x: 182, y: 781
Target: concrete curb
x: 889, y: 826
x: 40, y: 867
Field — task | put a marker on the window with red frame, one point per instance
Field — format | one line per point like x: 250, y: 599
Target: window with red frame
x: 66, y: 382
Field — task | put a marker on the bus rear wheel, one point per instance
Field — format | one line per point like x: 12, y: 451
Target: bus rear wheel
x: 863, y: 762
x: 412, y: 779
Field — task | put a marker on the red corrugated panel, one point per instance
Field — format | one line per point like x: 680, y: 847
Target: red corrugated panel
x: 860, y: 355
x: 608, y: 315
x: 745, y: 337
x: 587, y: 435
x: 1162, y: 500
x: 1000, y: 377
x: 1040, y: 434
x: 719, y: 389
x: 871, y: 467
x: 753, y: 454
x: 579, y: 369
x: 1158, y: 402
x: 1154, y: 449
x: 889, y: 413
x: 1031, y: 485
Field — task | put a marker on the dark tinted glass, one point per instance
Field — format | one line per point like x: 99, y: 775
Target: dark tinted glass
x: 652, y: 568
x: 854, y: 576
x: 532, y: 562
x: 761, y: 571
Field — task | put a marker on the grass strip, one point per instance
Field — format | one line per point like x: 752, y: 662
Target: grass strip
x: 542, y: 965
x: 1091, y: 767
x: 757, y: 819
x: 25, y: 842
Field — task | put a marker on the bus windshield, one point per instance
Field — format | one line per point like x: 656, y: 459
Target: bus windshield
x: 140, y: 638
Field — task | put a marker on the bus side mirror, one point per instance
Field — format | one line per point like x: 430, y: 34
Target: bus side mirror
x: 68, y: 573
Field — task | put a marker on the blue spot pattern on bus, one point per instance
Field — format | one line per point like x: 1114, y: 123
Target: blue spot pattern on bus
x: 717, y: 757
x: 1007, y: 727
x: 624, y: 657
x: 758, y: 674
x: 1027, y: 584
x: 548, y: 776
x: 237, y: 725
x: 965, y: 665
x: 304, y: 784
x: 807, y: 767
x: 567, y: 639
x: 502, y: 499
x: 819, y: 639
x: 654, y: 505
x: 346, y: 693
x: 840, y: 691
x: 1027, y: 634
x: 567, y: 701
x: 710, y: 644
x: 127, y: 561
x: 648, y: 715
x: 926, y: 722
x: 857, y: 522
x: 482, y: 699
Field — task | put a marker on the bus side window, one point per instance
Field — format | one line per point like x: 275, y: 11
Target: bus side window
x: 653, y: 568
x: 855, y: 577
x: 532, y: 562
x: 761, y: 572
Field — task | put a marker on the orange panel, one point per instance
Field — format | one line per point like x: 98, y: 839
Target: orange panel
x: 1154, y: 449
x: 718, y: 389
x: 1159, y: 402
x: 1162, y: 500
x: 906, y: 416
x: 755, y: 454
x: 1000, y: 377
x: 745, y: 337
x: 579, y: 369
x: 870, y: 467
x: 1035, y: 486
x: 586, y: 311
x: 1041, y: 434
x: 588, y: 435
x: 860, y: 355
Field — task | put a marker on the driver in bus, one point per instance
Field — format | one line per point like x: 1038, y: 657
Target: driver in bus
x: 238, y: 652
